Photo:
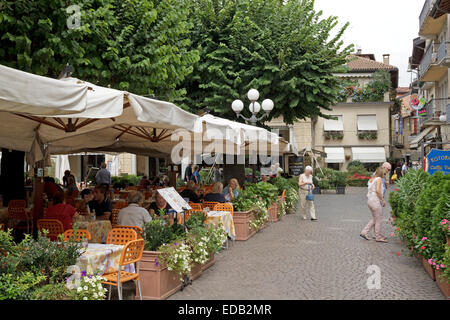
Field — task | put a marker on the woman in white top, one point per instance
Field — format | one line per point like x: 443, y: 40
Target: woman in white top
x: 134, y: 214
x: 375, y: 202
x: 305, y: 183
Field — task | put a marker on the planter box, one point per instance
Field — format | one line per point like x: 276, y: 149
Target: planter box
x: 196, y: 271
x: 209, y: 263
x: 448, y: 240
x: 273, y: 212
x: 157, y: 282
x: 429, y: 269
x: 443, y: 284
x: 340, y: 190
x: 242, y: 224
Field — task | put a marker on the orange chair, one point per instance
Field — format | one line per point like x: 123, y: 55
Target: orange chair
x: 17, y: 204
x: 283, y: 195
x: 54, y: 227
x: 2, y: 227
x: 121, y: 236
x: 195, y: 206
x: 123, y: 195
x: 114, y: 216
x: 209, y: 204
x: 80, y: 235
x: 19, y: 219
x: 131, y: 253
x: 139, y: 230
x: 71, y: 201
x: 148, y: 195
x: 132, y: 188
x: 224, y: 207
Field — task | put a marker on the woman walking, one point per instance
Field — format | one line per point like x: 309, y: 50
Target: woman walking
x: 305, y: 186
x: 375, y: 201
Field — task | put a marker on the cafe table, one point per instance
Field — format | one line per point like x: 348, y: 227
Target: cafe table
x: 100, y: 258
x: 98, y: 228
x: 224, y: 217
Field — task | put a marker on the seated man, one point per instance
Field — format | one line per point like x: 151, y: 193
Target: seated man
x: 144, y: 183
x: 61, y: 211
x: 101, y: 204
x: 134, y: 214
x: 190, y: 193
x: 160, y: 204
x: 216, y: 194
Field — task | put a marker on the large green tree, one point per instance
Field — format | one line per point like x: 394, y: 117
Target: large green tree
x: 282, y: 48
x: 136, y: 45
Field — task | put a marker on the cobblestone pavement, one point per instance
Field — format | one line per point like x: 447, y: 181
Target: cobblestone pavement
x: 324, y: 259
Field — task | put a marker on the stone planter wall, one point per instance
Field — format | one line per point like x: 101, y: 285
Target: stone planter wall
x: 242, y: 224
x: 196, y: 271
x: 157, y: 282
x: 209, y: 263
x: 443, y: 284
x: 428, y: 268
x: 273, y: 212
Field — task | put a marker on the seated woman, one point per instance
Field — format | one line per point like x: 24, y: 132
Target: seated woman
x: 134, y: 214
x: 86, y: 197
x: 144, y: 183
x: 190, y: 193
x: 160, y: 204
x: 232, y: 190
x: 216, y: 194
x: 71, y: 186
x: 61, y: 211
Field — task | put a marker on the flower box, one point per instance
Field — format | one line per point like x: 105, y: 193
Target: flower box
x: 157, y: 282
x: 209, y: 263
x: 196, y: 271
x: 242, y: 225
x: 443, y: 284
x: 428, y: 268
x: 448, y: 240
x: 273, y: 212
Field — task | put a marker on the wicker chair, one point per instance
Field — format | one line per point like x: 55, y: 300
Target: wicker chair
x: 121, y: 236
x: 80, y: 235
x: 54, y: 227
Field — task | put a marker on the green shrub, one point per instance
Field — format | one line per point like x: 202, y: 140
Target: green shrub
x: 18, y: 286
x: 354, y: 163
x: 53, y: 291
x: 196, y: 220
x: 157, y: 233
x: 265, y: 191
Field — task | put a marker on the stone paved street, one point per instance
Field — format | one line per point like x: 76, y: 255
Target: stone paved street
x: 326, y: 259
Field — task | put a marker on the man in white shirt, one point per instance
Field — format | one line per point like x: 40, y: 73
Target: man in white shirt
x: 134, y: 214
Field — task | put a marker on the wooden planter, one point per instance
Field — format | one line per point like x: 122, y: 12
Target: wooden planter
x: 340, y: 190
x: 196, y: 271
x: 209, y: 263
x: 273, y: 212
x: 428, y: 268
x: 157, y: 282
x: 242, y: 225
x: 443, y: 284
x: 448, y: 240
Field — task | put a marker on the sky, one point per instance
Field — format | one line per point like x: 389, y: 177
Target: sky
x: 379, y: 27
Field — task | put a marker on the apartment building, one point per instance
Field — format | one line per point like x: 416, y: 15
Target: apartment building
x: 431, y: 60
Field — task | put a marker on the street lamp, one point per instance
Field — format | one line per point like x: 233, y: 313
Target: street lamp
x: 254, y: 107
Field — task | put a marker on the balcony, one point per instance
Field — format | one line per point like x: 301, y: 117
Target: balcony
x: 433, y: 110
x: 435, y: 62
x: 430, y: 20
x: 398, y: 141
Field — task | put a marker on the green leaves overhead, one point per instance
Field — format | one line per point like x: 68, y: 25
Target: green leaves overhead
x: 282, y: 48
x: 136, y: 45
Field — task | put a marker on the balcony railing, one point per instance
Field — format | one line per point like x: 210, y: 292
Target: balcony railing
x: 398, y: 140
x: 426, y: 60
x: 434, y: 109
x: 442, y: 51
x: 425, y: 11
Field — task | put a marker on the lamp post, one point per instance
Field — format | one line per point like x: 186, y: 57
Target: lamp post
x: 255, y: 108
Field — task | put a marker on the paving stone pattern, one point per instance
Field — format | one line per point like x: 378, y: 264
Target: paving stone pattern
x: 324, y: 259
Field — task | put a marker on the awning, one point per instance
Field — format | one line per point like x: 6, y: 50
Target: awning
x: 367, y: 123
x: 415, y: 143
x: 333, y: 125
x: 369, y: 154
x: 335, y: 155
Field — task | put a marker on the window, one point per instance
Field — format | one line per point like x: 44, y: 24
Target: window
x: 367, y: 123
x: 333, y: 125
x: 334, y: 166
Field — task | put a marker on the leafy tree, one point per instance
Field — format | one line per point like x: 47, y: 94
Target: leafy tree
x: 136, y: 45
x: 282, y: 48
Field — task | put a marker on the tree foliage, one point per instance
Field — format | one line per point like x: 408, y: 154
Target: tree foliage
x: 137, y: 45
x: 282, y: 48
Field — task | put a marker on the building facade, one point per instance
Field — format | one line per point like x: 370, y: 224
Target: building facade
x: 431, y: 60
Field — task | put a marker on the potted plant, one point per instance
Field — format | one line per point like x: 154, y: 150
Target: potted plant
x: 216, y: 237
x: 443, y: 273
x: 341, y: 182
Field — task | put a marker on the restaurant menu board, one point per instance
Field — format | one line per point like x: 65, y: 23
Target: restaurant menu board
x: 174, y: 199
x: 295, y: 166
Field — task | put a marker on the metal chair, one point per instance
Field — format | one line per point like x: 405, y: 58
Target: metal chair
x: 209, y: 204
x: 139, y: 230
x: 80, y: 235
x: 121, y: 236
x: 54, y: 227
x: 224, y: 207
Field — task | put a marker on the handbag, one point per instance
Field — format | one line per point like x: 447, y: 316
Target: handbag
x: 309, y: 196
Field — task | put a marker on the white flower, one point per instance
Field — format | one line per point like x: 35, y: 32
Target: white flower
x: 95, y: 295
x: 79, y: 289
x: 100, y: 287
x: 85, y: 298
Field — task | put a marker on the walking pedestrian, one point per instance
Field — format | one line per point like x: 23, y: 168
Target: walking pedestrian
x: 398, y: 170
x: 188, y: 172
x: 305, y: 186
x: 103, y: 177
x: 375, y: 202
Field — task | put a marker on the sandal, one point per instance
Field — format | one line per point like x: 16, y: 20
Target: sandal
x: 364, y: 236
x: 382, y: 240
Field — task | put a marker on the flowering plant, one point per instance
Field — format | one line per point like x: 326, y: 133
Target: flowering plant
x: 89, y: 288
x: 281, y: 208
x: 423, y: 247
x: 261, y: 215
x: 445, y: 224
x: 197, y: 241
x: 177, y: 257
x: 216, y: 237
